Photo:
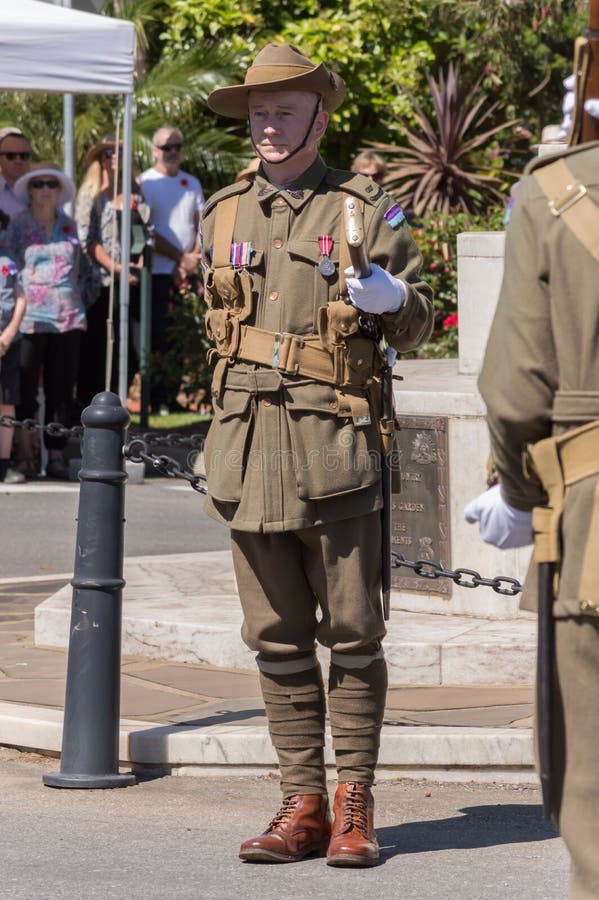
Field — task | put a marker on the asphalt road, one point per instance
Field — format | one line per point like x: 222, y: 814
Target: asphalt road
x: 38, y: 525
x: 179, y: 837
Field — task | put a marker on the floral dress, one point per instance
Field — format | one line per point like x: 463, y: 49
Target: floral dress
x: 48, y: 273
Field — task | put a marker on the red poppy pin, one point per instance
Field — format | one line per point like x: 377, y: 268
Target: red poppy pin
x: 66, y: 229
x: 134, y: 206
x: 184, y: 182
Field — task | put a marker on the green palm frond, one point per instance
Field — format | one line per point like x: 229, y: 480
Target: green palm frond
x: 441, y: 169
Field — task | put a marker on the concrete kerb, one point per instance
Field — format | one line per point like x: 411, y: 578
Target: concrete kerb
x: 503, y: 755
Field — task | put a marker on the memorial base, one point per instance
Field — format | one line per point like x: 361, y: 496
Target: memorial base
x: 434, y: 389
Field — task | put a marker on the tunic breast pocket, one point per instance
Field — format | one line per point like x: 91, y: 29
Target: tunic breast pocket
x: 314, y: 278
x: 227, y: 445
x: 331, y: 454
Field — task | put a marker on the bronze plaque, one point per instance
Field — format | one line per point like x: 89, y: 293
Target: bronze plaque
x: 420, y: 513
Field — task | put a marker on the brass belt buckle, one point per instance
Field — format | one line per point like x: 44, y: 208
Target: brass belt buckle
x: 574, y: 193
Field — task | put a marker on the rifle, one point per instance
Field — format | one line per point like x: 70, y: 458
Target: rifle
x: 370, y: 324
x: 586, y: 79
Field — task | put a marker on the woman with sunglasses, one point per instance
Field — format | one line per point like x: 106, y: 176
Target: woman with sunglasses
x: 43, y: 241
x: 98, y: 213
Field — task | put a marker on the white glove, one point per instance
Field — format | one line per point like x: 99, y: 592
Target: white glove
x: 591, y: 106
x: 379, y: 293
x: 500, y: 524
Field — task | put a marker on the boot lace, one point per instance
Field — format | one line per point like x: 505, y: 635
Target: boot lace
x: 285, y: 813
x: 355, y: 811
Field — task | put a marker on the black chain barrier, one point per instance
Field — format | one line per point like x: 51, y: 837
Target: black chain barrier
x: 54, y: 429
x: 138, y: 450
x: 467, y: 578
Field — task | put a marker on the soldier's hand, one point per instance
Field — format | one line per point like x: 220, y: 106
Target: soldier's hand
x: 499, y: 523
x: 379, y: 293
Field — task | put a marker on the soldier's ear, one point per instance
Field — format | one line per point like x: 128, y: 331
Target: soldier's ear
x: 320, y: 124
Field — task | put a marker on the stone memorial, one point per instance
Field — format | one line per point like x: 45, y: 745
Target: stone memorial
x: 444, y: 449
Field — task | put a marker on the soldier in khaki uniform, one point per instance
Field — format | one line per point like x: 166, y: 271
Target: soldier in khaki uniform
x: 293, y: 453
x: 540, y: 381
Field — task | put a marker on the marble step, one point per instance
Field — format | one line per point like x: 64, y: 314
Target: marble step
x: 185, y: 608
x: 437, y: 753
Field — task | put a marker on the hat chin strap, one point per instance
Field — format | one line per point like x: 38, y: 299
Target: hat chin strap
x: 297, y: 149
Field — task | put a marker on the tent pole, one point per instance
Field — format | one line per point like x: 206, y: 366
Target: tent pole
x: 125, y: 249
x: 68, y: 116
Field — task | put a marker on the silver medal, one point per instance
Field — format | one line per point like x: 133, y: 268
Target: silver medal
x: 326, y: 266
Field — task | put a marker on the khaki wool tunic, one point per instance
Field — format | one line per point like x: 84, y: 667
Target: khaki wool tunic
x: 541, y: 370
x: 286, y: 452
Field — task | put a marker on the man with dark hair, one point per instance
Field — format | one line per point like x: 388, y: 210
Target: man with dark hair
x: 15, y: 160
x: 293, y: 453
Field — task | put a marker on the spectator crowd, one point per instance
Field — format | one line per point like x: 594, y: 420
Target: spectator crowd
x: 59, y: 282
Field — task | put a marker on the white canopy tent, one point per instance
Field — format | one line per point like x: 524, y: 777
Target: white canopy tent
x: 46, y: 48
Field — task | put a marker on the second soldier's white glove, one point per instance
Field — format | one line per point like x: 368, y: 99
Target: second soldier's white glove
x: 379, y: 293
x: 500, y: 524
x: 591, y: 106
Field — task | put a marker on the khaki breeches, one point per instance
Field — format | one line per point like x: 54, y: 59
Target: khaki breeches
x: 316, y: 584
x: 576, y: 739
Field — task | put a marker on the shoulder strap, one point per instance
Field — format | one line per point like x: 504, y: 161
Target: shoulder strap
x: 224, y: 225
x: 569, y: 200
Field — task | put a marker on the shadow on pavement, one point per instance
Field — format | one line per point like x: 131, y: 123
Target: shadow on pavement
x: 480, y: 826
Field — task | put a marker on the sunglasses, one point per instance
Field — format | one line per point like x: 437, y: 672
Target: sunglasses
x: 108, y: 154
x: 166, y: 148
x: 39, y: 183
x: 12, y: 155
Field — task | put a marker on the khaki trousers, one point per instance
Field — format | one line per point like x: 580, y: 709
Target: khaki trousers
x: 576, y: 743
x: 320, y: 583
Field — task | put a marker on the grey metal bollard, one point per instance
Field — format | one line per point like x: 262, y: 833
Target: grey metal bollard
x: 90, y: 738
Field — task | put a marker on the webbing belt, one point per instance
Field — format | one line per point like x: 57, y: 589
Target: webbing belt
x: 291, y: 354
x: 560, y: 462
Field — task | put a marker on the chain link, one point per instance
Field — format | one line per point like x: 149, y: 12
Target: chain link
x: 501, y: 584
x: 153, y: 438
x: 54, y: 429
x: 137, y: 451
x: 150, y: 438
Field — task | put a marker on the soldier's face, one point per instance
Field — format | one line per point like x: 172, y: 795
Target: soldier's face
x: 279, y: 121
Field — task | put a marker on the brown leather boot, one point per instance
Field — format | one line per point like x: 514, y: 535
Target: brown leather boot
x: 302, y: 826
x: 353, y: 841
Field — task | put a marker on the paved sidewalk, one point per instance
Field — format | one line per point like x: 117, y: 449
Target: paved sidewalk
x: 176, y: 693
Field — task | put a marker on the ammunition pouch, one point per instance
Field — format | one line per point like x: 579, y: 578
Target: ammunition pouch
x: 230, y: 289
x: 356, y: 359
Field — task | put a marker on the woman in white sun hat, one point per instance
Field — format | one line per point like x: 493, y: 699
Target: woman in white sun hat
x: 44, y: 244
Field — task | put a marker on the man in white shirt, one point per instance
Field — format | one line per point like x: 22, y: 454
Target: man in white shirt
x: 176, y: 200
x: 15, y: 160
